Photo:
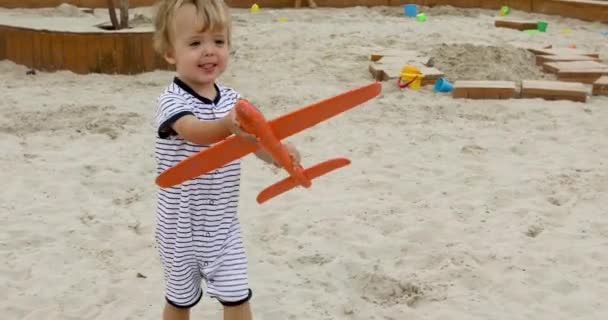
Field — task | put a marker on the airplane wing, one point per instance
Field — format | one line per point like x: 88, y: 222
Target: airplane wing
x: 283, y: 126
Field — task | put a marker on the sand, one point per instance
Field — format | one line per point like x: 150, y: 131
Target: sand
x: 451, y: 209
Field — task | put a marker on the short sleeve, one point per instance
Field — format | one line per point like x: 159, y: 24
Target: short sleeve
x: 228, y: 99
x: 171, y: 107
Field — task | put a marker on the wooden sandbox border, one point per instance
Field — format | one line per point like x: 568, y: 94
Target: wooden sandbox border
x: 78, y: 3
x: 80, y: 52
x: 132, y: 52
x: 589, y: 10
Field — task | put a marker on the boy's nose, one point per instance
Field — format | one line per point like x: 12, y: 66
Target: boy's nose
x: 207, y: 50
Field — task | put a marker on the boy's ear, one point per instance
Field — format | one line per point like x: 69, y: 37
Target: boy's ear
x: 169, y: 56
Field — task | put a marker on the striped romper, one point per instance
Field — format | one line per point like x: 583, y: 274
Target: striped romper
x: 197, y: 232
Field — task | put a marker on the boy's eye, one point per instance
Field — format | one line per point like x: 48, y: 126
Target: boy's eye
x: 194, y: 43
x: 220, y: 41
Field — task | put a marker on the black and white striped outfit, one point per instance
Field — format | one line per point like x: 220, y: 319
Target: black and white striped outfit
x: 198, y: 231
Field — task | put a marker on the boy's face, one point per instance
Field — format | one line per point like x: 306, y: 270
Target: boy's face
x: 199, y: 57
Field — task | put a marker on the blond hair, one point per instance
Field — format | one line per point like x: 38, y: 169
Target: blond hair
x: 213, y: 13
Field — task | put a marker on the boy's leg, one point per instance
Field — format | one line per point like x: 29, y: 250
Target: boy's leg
x: 173, y: 313
x: 240, y: 312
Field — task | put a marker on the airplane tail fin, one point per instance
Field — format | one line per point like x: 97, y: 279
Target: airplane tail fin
x: 311, y: 173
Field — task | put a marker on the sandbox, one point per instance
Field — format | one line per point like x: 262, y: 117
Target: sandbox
x: 130, y: 51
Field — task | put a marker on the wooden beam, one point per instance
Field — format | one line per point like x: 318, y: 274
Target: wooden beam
x: 572, y: 66
x: 484, y: 89
x: 541, y: 59
x: 515, y: 24
x: 390, y: 69
x: 554, y: 90
x: 600, y: 86
x: 589, y: 10
x: 563, y: 51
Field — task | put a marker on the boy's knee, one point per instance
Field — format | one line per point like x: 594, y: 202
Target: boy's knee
x: 237, y: 302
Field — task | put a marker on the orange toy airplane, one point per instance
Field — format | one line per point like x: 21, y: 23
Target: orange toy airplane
x: 269, y: 135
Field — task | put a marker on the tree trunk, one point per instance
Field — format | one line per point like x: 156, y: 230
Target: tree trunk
x: 112, y: 11
x: 124, y: 14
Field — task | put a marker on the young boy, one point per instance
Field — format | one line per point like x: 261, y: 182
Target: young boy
x: 198, y: 232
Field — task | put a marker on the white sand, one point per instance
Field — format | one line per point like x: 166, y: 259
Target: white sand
x: 451, y: 209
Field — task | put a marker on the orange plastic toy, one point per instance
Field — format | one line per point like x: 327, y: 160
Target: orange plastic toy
x: 270, y: 134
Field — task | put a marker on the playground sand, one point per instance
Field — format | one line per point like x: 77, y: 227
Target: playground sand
x: 451, y: 209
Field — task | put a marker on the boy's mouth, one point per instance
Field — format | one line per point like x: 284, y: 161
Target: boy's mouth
x: 207, y: 66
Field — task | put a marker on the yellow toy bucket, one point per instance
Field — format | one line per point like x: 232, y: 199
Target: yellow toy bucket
x: 410, y: 77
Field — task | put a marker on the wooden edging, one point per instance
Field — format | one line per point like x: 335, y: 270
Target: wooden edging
x: 589, y: 10
x: 103, y: 52
x: 78, y: 3
x: 130, y: 53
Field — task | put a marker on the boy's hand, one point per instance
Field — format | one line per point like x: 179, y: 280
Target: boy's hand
x: 232, y: 122
x: 293, y: 153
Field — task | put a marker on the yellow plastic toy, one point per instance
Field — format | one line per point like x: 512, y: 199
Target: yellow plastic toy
x: 255, y: 8
x: 410, y: 77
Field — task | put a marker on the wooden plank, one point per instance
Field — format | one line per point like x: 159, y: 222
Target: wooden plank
x: 540, y: 59
x: 378, y: 54
x: 148, y: 54
x: 107, y: 54
x: 589, y: 10
x: 57, y: 51
x: 584, y: 76
x: 12, y: 46
x: 263, y: 3
x: 82, y: 53
x: 554, y: 90
x: 93, y: 53
x: 36, y: 49
x: 134, y: 56
x: 119, y: 54
x: 410, y: 57
x: 391, y: 70
x: 78, y: 3
x: 524, y: 5
x: 484, y: 89
x: 600, y: 86
x: 71, y: 55
x: 564, y: 51
x: 516, y: 24
x: 453, y: 3
x: 126, y: 53
x: 572, y: 66
x: 341, y: 3
x: 129, y: 61
x: 46, y: 52
x: 3, y: 31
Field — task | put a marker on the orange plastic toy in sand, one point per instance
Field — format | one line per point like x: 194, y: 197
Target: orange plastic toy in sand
x: 270, y: 134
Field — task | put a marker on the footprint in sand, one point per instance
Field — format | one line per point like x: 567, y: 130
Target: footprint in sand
x: 534, y: 230
x: 473, y: 150
x: 383, y: 290
x: 316, y: 259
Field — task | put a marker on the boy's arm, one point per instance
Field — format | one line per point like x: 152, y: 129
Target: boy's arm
x: 264, y: 156
x: 209, y: 132
x: 293, y: 152
x: 202, y: 132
